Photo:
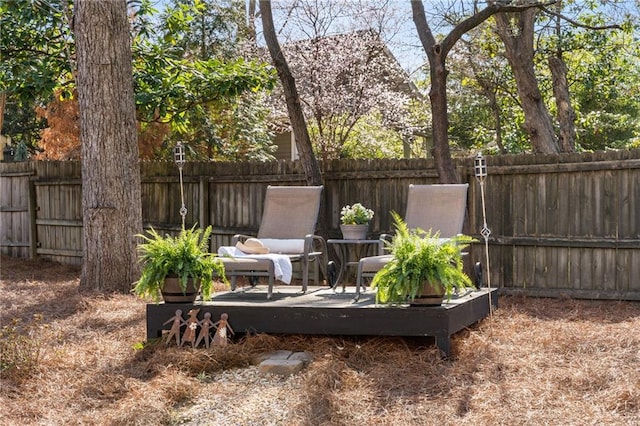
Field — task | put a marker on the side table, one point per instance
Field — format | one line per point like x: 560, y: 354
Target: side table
x: 349, y: 252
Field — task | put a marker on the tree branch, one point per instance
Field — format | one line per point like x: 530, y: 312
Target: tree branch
x: 578, y: 24
x: 426, y: 38
x: 478, y: 18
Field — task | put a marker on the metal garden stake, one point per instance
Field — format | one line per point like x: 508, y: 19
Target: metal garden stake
x: 179, y: 158
x: 481, y: 175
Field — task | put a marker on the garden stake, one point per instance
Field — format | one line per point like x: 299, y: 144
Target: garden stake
x: 481, y: 174
x: 178, y: 155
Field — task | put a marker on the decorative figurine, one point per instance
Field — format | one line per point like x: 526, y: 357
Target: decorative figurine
x: 175, y: 327
x: 192, y: 325
x: 220, y: 339
x: 205, y: 326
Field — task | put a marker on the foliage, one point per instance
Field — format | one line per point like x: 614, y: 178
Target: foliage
x: 417, y: 256
x: 188, y: 73
x: 205, y: 28
x: 602, y: 72
x: 176, y: 81
x: 189, y: 77
x: 185, y: 255
x: 231, y: 130
x: 356, y: 214
x: 167, y: 86
x: 483, y: 103
x: 369, y: 138
x: 36, y: 47
x: 61, y: 139
x: 20, y: 349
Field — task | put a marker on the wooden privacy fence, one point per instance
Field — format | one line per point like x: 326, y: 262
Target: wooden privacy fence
x: 561, y: 224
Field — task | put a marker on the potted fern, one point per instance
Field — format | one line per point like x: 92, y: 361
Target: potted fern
x: 176, y: 267
x: 424, y: 268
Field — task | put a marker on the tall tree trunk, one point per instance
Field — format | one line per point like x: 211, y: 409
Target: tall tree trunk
x: 294, y: 107
x: 251, y: 21
x: 437, y: 95
x: 518, y: 42
x: 497, y: 117
x: 440, y: 118
x: 566, y: 113
x: 111, y: 203
x: 3, y: 99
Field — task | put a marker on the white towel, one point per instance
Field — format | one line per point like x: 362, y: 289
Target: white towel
x: 281, y: 263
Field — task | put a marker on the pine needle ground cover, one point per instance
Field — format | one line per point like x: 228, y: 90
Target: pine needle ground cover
x: 82, y: 360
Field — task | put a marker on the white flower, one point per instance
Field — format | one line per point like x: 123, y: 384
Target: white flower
x: 356, y: 214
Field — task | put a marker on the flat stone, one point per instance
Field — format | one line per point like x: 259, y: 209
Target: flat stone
x: 305, y: 357
x: 280, y: 367
x: 281, y: 354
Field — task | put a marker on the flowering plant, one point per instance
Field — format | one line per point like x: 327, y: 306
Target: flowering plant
x: 356, y: 214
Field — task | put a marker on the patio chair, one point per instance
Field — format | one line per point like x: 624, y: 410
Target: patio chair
x: 287, y: 228
x: 439, y: 208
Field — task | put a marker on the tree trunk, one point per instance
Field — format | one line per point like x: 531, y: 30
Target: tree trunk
x: 437, y: 96
x: 111, y: 203
x: 440, y: 118
x: 497, y: 117
x: 566, y: 113
x: 3, y: 98
x: 294, y: 107
x: 518, y: 42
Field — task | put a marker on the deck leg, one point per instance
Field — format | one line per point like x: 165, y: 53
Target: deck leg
x: 154, y: 324
x: 443, y: 342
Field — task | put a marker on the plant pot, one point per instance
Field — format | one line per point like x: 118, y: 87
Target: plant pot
x: 172, y: 292
x: 354, y: 232
x: 432, y: 294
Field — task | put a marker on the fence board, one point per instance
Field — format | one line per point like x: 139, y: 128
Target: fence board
x: 15, y: 229
x: 586, y: 272
x: 634, y: 270
x: 575, y: 271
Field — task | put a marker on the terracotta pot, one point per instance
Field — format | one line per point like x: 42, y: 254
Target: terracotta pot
x: 354, y: 232
x: 430, y: 295
x: 172, y: 293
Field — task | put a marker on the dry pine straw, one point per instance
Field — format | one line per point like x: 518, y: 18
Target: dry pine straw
x: 536, y: 362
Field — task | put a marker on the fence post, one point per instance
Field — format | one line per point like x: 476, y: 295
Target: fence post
x: 203, y: 194
x: 33, y: 229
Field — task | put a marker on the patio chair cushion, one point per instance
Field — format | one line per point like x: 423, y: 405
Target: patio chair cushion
x: 279, y: 245
x: 374, y: 263
x: 234, y: 259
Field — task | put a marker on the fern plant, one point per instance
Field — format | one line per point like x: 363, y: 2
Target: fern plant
x: 418, y: 256
x: 185, y: 256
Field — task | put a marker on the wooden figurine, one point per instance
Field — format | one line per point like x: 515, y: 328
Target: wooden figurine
x: 205, y: 327
x: 192, y: 325
x: 175, y: 327
x: 220, y: 339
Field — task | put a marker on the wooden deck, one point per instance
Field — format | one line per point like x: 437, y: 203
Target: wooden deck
x: 323, y: 311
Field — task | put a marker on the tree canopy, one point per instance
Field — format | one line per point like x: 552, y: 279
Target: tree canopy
x: 199, y: 77
x: 174, y: 83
